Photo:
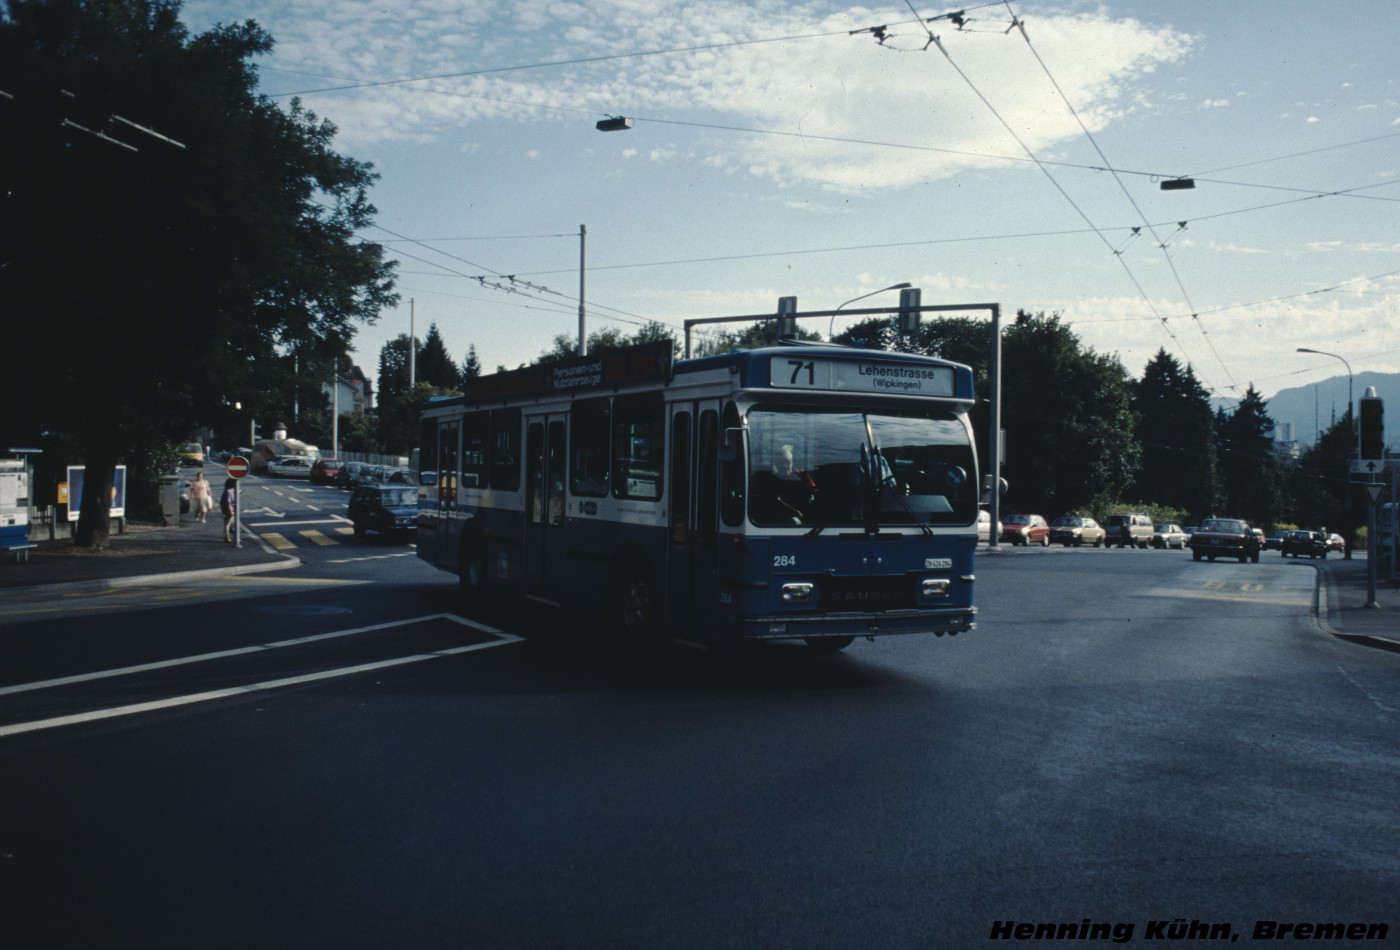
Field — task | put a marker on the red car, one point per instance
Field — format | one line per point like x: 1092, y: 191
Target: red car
x: 324, y: 471
x: 1025, y: 529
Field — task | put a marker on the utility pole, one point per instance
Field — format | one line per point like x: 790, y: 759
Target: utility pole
x: 582, y: 323
x: 412, y: 348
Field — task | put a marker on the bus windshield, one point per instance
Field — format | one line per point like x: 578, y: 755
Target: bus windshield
x: 834, y: 468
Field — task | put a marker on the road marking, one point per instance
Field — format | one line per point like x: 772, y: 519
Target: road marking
x: 334, y: 519
x: 277, y: 541
x: 349, y: 530
x: 503, y: 638
x: 316, y: 537
x: 372, y: 557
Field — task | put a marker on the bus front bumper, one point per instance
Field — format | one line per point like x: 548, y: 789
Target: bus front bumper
x: 949, y: 620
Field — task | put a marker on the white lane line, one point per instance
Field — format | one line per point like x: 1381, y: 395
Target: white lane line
x: 100, y: 714
x: 240, y: 651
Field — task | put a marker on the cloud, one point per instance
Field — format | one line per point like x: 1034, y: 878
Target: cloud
x: 823, y: 98
x: 1215, y: 103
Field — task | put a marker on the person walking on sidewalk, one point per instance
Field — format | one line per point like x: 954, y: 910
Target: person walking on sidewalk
x: 226, y: 506
x: 201, y: 497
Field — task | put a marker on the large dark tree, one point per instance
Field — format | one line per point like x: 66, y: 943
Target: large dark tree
x: 147, y: 285
x: 435, y: 364
x: 1069, y: 428
x: 1176, y: 430
x: 1252, y: 474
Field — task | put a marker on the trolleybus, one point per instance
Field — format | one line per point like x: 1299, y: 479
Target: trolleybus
x: 804, y: 492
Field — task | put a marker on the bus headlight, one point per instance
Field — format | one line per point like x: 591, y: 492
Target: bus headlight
x: 797, y: 593
x: 933, y: 588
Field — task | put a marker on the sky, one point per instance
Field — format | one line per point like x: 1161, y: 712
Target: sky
x: 1008, y: 153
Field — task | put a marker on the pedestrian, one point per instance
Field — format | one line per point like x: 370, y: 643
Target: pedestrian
x: 201, y: 497
x: 226, y: 505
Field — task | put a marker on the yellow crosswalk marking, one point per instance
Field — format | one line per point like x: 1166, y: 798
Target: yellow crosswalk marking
x: 277, y: 541
x: 316, y: 537
x: 345, y: 530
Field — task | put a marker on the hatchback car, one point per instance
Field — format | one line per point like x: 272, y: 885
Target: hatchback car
x: 385, y: 509
x: 325, y: 471
x: 1168, y: 536
x: 1273, y: 541
x: 1026, y: 529
x: 289, y: 466
x: 1303, y: 544
x: 1072, y: 531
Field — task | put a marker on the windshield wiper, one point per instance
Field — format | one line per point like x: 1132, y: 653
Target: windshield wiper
x: 875, y: 461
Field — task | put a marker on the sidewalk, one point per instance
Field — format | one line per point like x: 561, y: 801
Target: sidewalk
x: 142, y: 554
x: 1341, y: 599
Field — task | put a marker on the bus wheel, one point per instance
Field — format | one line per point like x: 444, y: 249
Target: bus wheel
x: 828, y: 644
x: 471, y: 571
x: 635, y: 604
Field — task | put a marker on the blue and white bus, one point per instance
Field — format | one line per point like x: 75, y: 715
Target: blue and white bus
x: 806, y: 492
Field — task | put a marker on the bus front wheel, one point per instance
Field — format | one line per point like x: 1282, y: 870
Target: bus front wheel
x: 828, y: 644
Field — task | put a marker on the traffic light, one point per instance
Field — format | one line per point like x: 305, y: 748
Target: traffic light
x: 787, y: 322
x: 909, y: 310
x: 1372, y: 420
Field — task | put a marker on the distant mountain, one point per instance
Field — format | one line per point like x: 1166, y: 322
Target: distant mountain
x: 1312, y: 408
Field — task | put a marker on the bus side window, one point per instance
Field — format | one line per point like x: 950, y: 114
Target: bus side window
x: 639, y: 445
x: 505, y: 449
x: 731, y: 499
x: 589, y: 442
x: 707, y: 480
x: 474, y: 444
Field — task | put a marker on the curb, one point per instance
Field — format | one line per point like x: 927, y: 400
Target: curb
x: 1322, y: 597
x: 139, y: 580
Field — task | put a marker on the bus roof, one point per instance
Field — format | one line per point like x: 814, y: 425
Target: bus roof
x: 828, y: 367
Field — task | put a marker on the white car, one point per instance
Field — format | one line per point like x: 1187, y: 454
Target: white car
x: 984, y: 525
x: 289, y: 466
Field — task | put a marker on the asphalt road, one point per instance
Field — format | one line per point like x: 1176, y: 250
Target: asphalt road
x: 1128, y: 737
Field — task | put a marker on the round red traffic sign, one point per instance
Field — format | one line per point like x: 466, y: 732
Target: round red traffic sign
x: 237, y: 467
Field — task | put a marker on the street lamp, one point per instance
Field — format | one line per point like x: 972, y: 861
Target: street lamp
x: 832, y: 323
x: 1350, y: 411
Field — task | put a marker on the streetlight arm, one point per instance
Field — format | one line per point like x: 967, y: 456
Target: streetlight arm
x: 832, y: 323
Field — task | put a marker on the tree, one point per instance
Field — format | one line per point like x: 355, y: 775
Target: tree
x: 1176, y: 430
x: 1252, y: 475
x: 435, y: 366
x: 397, y: 431
x: 471, y: 366
x: 1069, y: 428
x: 763, y: 333
x: 176, y: 273
x: 611, y: 338
x: 393, y: 367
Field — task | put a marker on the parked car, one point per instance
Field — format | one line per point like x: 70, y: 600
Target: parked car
x: 1168, y: 536
x: 1225, y: 537
x: 289, y: 466
x: 1138, y: 527
x: 349, y: 472
x: 400, y: 476
x: 1026, y: 529
x: 1273, y: 541
x: 1072, y: 531
x: 1335, y: 542
x: 1303, y: 544
x: 385, y: 509
x: 324, y: 471
x: 984, y: 526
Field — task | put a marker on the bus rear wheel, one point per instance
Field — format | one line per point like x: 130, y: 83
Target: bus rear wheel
x: 471, y: 571
x: 634, y: 603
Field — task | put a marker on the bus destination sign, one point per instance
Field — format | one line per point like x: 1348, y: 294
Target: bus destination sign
x: 864, y: 376
x: 645, y: 363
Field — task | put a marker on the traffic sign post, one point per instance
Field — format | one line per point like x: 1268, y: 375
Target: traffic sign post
x: 237, y: 468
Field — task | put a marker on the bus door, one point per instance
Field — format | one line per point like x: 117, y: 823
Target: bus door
x: 545, y: 457
x: 445, y: 518
x: 693, y: 536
